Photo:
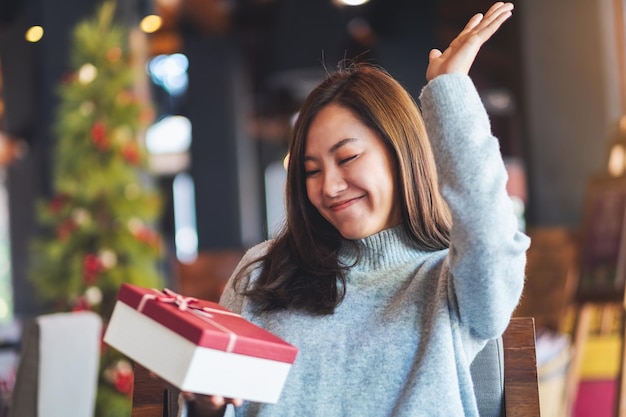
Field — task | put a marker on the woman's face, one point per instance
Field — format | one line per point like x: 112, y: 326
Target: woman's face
x: 350, y: 174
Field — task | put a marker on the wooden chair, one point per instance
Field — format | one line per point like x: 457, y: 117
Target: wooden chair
x: 521, y: 390
x: 150, y: 398
x: 520, y: 396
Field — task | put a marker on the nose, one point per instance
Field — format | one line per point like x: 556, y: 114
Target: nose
x: 334, y: 182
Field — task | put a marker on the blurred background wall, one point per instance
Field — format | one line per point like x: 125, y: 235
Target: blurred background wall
x: 551, y: 79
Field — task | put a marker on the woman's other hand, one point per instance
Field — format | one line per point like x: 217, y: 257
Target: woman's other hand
x: 208, y: 405
x: 460, y: 55
x: 201, y: 405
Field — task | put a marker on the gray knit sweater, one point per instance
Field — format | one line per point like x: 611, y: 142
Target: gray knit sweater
x: 402, y: 341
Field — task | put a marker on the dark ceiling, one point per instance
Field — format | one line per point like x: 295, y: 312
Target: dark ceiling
x: 283, y: 41
x: 288, y: 34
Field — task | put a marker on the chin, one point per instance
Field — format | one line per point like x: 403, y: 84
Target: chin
x: 352, y: 236
x: 355, y: 234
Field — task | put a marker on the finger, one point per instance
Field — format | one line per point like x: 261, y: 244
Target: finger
x: 499, y: 6
x: 235, y: 401
x: 495, y: 7
x: 488, y: 30
x: 489, y: 24
x: 497, y: 13
x: 472, y: 23
x: 434, y: 54
x: 217, y: 401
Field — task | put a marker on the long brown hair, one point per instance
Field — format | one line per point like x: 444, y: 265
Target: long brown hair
x: 301, y: 269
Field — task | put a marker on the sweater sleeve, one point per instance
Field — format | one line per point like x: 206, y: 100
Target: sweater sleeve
x: 487, y: 253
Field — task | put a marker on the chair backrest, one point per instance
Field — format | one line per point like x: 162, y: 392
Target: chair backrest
x: 521, y: 389
x: 504, y: 373
x: 150, y: 397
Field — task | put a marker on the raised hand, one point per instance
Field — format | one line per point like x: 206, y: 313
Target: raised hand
x: 460, y: 55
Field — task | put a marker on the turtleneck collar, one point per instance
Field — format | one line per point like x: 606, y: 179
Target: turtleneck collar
x: 384, y: 250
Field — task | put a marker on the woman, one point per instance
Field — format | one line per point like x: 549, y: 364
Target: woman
x: 401, y: 254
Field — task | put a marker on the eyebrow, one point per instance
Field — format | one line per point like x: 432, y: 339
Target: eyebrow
x: 333, y: 148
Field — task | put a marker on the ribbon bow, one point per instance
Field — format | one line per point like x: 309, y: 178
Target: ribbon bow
x: 186, y: 304
x: 170, y: 297
x: 181, y: 301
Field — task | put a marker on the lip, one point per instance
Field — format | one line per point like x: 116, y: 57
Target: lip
x: 344, y: 204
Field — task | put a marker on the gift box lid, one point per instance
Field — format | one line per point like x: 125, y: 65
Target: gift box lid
x: 206, y: 324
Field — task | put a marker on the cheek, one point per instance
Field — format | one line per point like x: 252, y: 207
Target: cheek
x: 390, y: 184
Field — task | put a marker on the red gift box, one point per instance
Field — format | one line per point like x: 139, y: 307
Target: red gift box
x: 199, y: 346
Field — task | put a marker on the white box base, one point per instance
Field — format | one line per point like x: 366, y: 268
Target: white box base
x: 190, y: 367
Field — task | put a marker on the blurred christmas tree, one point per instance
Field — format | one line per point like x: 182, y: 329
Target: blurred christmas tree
x: 98, y: 226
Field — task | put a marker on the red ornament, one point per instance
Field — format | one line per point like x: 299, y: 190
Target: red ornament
x: 65, y: 229
x: 126, y: 97
x: 130, y: 152
x: 92, y: 267
x: 99, y: 136
x: 81, y: 305
x: 121, y: 376
x: 57, y: 203
x: 114, y: 54
x: 147, y: 115
x: 124, y: 381
x: 148, y: 236
x: 68, y: 77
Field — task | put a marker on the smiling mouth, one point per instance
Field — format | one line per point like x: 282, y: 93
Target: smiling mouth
x: 344, y: 204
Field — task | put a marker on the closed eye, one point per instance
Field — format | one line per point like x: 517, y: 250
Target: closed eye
x: 311, y: 172
x: 348, y: 159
